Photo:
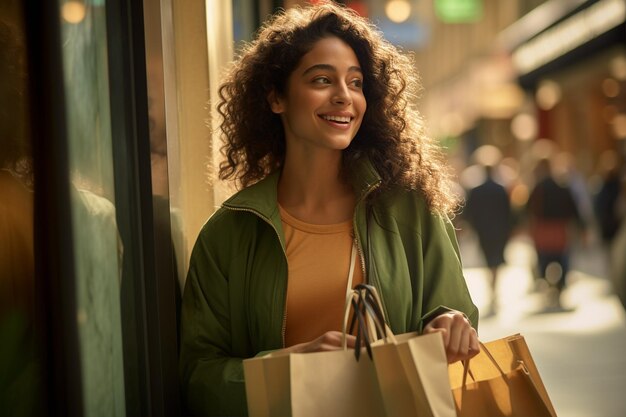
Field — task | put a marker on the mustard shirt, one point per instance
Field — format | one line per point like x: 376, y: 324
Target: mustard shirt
x: 318, y: 258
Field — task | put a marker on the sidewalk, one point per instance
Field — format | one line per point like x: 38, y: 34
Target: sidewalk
x: 579, y: 350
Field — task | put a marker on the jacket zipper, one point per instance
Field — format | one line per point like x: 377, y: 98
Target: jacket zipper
x: 268, y: 221
x: 371, y: 188
x: 360, y: 250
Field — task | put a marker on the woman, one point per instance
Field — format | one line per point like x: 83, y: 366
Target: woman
x: 321, y: 137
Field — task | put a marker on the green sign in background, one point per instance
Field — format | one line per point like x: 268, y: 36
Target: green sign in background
x: 458, y: 11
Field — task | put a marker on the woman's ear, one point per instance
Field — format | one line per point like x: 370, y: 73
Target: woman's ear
x: 276, y: 104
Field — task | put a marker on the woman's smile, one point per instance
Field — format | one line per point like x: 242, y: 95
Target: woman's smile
x: 338, y: 120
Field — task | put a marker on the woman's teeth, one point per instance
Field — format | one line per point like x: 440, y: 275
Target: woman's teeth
x: 338, y: 119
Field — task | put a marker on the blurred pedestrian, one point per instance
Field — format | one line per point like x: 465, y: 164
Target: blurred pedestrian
x: 606, y: 201
x: 488, y: 211
x: 552, y: 214
x: 617, y: 270
x: 610, y: 209
x: 335, y: 170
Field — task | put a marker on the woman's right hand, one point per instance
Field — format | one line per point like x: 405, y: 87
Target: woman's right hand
x: 328, y: 341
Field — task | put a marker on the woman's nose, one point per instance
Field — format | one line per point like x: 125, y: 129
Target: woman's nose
x: 342, y: 95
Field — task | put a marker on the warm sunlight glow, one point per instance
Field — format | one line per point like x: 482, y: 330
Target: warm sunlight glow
x: 398, y: 11
x: 73, y: 12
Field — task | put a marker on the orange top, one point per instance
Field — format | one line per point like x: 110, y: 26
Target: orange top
x: 319, y: 261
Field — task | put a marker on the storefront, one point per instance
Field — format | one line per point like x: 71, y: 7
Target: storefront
x: 574, y: 69
x: 105, y: 169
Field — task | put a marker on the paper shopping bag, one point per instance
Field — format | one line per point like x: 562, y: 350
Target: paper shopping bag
x: 339, y: 383
x: 330, y: 384
x: 412, y: 370
x: 334, y: 384
x: 520, y: 350
x: 412, y: 373
x: 268, y: 395
x: 502, y: 380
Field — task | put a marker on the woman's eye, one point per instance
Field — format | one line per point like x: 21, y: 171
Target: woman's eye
x: 358, y: 83
x: 321, y: 80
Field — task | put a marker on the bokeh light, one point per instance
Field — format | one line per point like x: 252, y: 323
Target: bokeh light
x: 73, y: 12
x: 398, y: 11
x: 548, y: 94
x: 610, y: 87
x: 524, y: 127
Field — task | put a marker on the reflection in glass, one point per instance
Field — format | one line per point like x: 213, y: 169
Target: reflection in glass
x: 20, y: 367
x: 97, y: 245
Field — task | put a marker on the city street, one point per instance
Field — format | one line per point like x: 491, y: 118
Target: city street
x: 579, y: 348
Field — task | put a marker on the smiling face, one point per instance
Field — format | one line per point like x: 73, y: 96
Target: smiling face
x: 323, y: 105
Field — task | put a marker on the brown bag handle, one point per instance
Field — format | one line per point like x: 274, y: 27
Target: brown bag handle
x: 467, y: 370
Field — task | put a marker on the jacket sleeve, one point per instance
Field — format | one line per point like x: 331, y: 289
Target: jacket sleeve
x: 212, y: 379
x: 445, y: 286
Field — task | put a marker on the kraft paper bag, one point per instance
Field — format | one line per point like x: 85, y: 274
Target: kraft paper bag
x: 520, y: 350
x: 502, y: 380
x: 412, y: 372
x: 330, y: 384
x: 334, y: 384
x: 268, y: 396
x: 412, y: 369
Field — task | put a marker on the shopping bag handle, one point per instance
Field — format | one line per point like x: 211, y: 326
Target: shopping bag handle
x: 483, y: 348
x: 368, y: 317
x: 375, y: 314
x: 355, y: 303
x: 362, y: 332
x: 349, y: 295
x: 369, y: 303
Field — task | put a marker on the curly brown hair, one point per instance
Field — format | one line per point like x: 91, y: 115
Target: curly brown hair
x: 391, y: 134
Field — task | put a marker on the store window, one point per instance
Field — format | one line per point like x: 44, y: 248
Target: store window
x: 98, y: 249
x: 96, y: 232
x: 20, y: 348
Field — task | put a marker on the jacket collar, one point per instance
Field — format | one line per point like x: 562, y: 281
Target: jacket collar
x: 262, y: 197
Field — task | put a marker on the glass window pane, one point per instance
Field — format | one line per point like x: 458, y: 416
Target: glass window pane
x: 97, y: 245
x: 20, y: 364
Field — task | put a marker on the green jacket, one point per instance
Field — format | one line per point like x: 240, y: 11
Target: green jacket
x: 234, y: 297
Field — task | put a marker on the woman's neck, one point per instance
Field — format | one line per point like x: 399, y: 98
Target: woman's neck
x: 314, y: 191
